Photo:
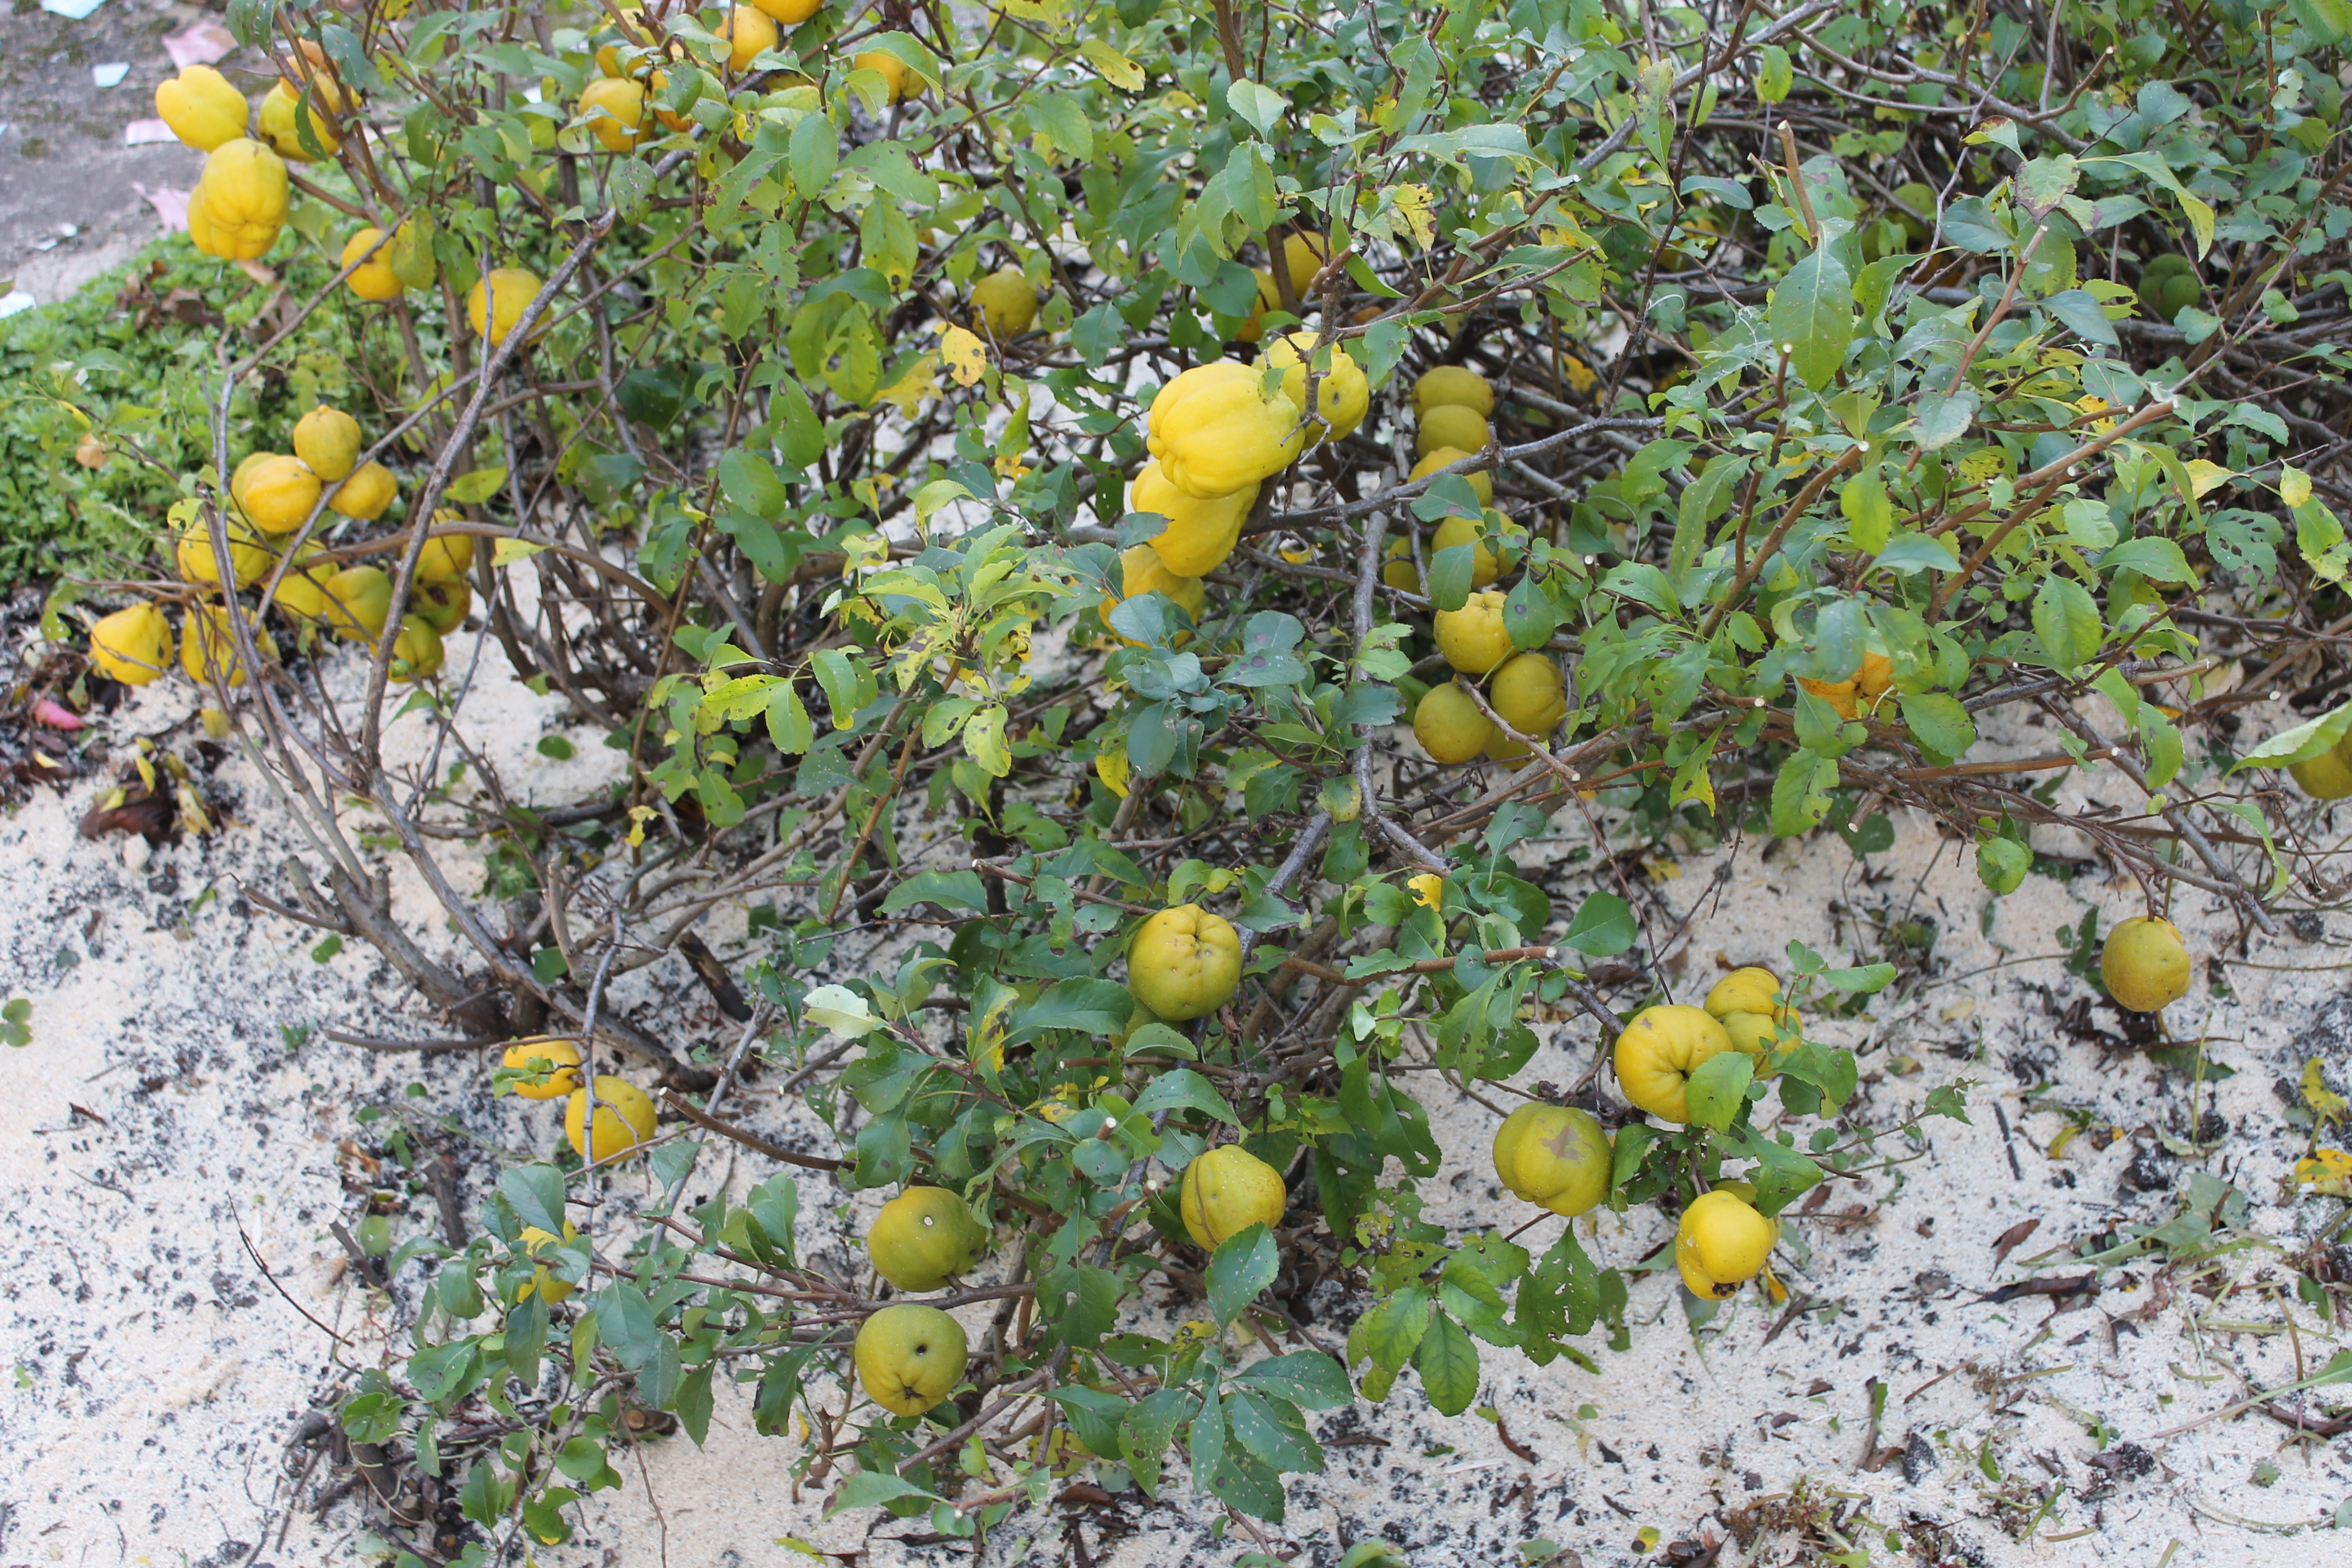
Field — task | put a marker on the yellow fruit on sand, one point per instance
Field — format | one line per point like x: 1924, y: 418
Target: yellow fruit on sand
x: 416, y: 651
x: 278, y: 492
x: 1472, y: 638
x: 624, y: 1119
x: 328, y: 440
x: 2145, y: 964
x: 239, y: 202
x: 1485, y: 565
x: 1005, y: 304
x: 1720, y: 1243
x: 358, y: 600
x: 202, y: 107
x: 1449, y: 726
x: 497, y: 302
x: 249, y: 557
x: 1751, y: 1006
x: 208, y: 645
x: 1451, y: 425
x: 613, y: 108
x: 1482, y: 481
x: 543, y: 1282
x: 132, y: 645
x: 891, y: 68
x: 1215, y: 432
x: 1529, y: 694
x: 556, y: 1061
x: 366, y: 494
x: 1455, y: 385
x: 909, y: 1357
x: 1555, y: 1156
x: 923, y: 1237
x: 283, y: 117
x: 374, y: 279
x: 1658, y: 1052
x: 1184, y: 963
x: 1226, y: 1191
x: 749, y: 34
x: 1200, y: 532
x: 1342, y: 395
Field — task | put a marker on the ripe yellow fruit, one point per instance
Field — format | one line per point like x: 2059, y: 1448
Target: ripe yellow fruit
x: 543, y: 1282
x: 1658, y: 1052
x: 1456, y: 384
x: 790, y: 13
x: 1398, y: 571
x: 1449, y: 726
x: 624, y: 1119
x: 1529, y: 695
x: 892, y: 69
x: 1303, y: 256
x: 1750, y: 1006
x: 556, y: 1061
x: 328, y: 441
x: 1875, y: 676
x: 416, y: 651
x: 358, y: 600
x: 924, y: 1237
x: 1214, y: 432
x: 239, y: 202
x: 1428, y: 889
x: 364, y: 496
x: 441, y: 605
x: 2327, y: 776
x: 446, y: 556
x: 208, y: 645
x: 2145, y: 964
x: 1553, y: 1155
x: 1226, y: 1191
x: 1343, y: 396
x: 1838, y: 694
x: 278, y: 492
x: 1003, y: 304
x: 1485, y: 565
x: 249, y: 557
x: 314, y: 71
x: 1184, y: 963
x: 1144, y: 571
x: 1482, y: 481
x: 747, y: 34
x: 132, y: 645
x: 1720, y: 1243
x: 202, y: 107
x: 373, y: 279
x: 497, y: 302
x: 302, y: 591
x: 1200, y: 532
x: 1472, y: 638
x: 1451, y: 425
x: 614, y: 109
x: 909, y: 1357
x: 283, y: 117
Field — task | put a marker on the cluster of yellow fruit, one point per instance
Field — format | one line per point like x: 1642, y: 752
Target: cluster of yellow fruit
x: 1663, y: 1046
x: 239, y: 202
x: 625, y: 1113
x: 614, y: 105
x: 1859, y: 692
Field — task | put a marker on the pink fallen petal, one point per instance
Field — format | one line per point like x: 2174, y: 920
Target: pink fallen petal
x: 200, y: 44
x: 56, y: 716
x: 171, y: 207
x: 140, y: 132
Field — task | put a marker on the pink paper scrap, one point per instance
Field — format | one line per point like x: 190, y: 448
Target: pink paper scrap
x: 199, y: 45
x: 171, y: 207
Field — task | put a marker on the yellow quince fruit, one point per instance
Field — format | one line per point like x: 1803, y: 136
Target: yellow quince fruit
x: 1342, y: 395
x: 1472, y: 638
x: 1751, y: 1006
x: 497, y: 302
x: 239, y: 202
x: 614, y: 110
x: 624, y: 1119
x: 1184, y: 963
x: 1003, y: 304
x: 278, y: 492
x: 364, y: 496
x: 1200, y: 532
x: 1482, y: 481
x: 1486, y: 564
x: 208, y: 645
x: 374, y: 279
x: 134, y: 644
x: 1456, y: 384
x: 283, y: 117
x: 1720, y: 1243
x: 1227, y: 1190
x: 1658, y: 1052
x: 1447, y: 723
x: 1555, y: 1156
x: 909, y: 1357
x: 248, y: 557
x: 202, y: 107
x: 1529, y: 694
x: 445, y: 557
x: 1215, y: 432
x: 556, y: 1062
x: 924, y: 1237
x: 358, y: 600
x: 890, y: 67
x: 416, y: 651
x: 544, y: 1282
x: 328, y: 441
x: 2145, y: 964
x: 1451, y: 425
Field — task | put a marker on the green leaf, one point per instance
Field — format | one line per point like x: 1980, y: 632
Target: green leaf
x: 1244, y: 1265
x: 472, y: 489
x: 1309, y: 1379
x: 2310, y: 739
x: 1603, y: 927
x: 871, y: 1488
x: 1811, y: 317
x: 1258, y: 104
x: 816, y: 155
x: 2066, y: 623
x: 1718, y: 1087
x: 1941, y: 724
x: 1182, y: 1088
x: 2003, y: 863
x: 537, y: 1194
x: 1392, y: 1330
x: 949, y: 890
x: 1800, y: 793
x: 1869, y: 515
x: 1774, y: 74
x: 1447, y: 1360
x: 1625, y: 1158
x: 1086, y: 1006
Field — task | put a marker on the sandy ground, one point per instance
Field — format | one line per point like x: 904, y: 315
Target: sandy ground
x: 178, y: 1122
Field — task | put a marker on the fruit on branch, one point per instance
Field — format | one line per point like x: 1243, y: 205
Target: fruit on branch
x: 1721, y: 1243
x: 328, y: 442
x: 1428, y: 890
x: 1215, y: 432
x: 446, y: 556
x: 278, y: 492
x: 302, y: 591
x: 239, y: 202
x: 1658, y: 1052
x: 133, y: 645
x: 1485, y: 565
x: 888, y: 67
x: 358, y: 600
x: 613, y: 108
x: 1227, y: 1190
x: 1141, y: 572
x: 441, y: 605
x: 310, y: 69
x: 2170, y: 284
x: 909, y: 1357
x: 364, y: 496
x: 1447, y: 723
x: 1451, y: 425
x: 555, y: 1061
x: 1529, y: 694
x: 1838, y: 694
x: 543, y: 1282
x: 416, y: 651
x: 923, y: 1237
x: 1200, y: 532
x: 374, y: 279
x: 1303, y: 256
x: 203, y: 108
x: 624, y: 1119
x: 2327, y: 776
x: 283, y: 116
x: 790, y: 13
x: 1342, y: 395
x: 1453, y: 384
x: 497, y: 302
x: 1751, y: 1006
x: 1398, y: 571
x: 1555, y: 1156
x: 1184, y: 963
x: 2145, y: 964
x: 1482, y: 481
x: 209, y: 646
x: 249, y: 557
x: 1472, y: 638
x: 1003, y: 304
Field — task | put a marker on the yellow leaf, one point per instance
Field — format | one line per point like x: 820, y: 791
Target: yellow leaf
x: 1111, y: 768
x: 2207, y: 476
x: 509, y: 551
x: 1418, y: 209
x: 1111, y: 65
x: 2295, y: 485
x: 965, y: 355
x: 2328, y: 1171
x: 2324, y: 1102
x: 920, y: 381
x: 638, y: 817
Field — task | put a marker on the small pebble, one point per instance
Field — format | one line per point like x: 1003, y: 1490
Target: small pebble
x: 135, y: 852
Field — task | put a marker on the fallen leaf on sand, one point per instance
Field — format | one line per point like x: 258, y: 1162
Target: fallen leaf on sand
x: 171, y: 207
x: 199, y: 45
